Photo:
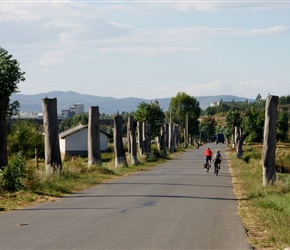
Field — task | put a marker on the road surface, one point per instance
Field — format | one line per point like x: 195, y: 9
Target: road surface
x: 176, y: 205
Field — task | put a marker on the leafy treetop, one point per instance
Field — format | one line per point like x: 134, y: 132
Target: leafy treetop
x: 10, y: 74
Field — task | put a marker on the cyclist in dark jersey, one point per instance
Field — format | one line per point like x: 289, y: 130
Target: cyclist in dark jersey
x: 208, y: 155
x: 217, y: 159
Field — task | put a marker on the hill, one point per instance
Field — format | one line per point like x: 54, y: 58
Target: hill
x: 108, y: 105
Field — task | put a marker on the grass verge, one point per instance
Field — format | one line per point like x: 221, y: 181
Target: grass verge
x: 265, y: 211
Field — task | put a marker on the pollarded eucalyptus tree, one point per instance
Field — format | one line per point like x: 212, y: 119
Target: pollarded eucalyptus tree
x: 10, y: 76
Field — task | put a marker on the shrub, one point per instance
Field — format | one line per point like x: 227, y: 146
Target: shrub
x: 24, y: 136
x: 155, y: 152
x: 13, y: 173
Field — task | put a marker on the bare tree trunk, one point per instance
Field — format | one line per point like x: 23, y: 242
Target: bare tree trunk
x: 239, y: 142
x: 166, y: 128
x: 163, y: 140
x: 140, y: 138
x: 171, y: 136
x: 269, y: 145
x: 176, y: 133
x: 132, y: 139
x: 186, y: 132
x: 4, y: 102
x: 50, y: 124
x: 129, y: 135
x: 146, y: 139
x: 120, y: 156
x: 171, y: 139
x: 94, y: 144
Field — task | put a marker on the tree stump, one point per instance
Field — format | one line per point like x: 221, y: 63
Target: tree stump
x: 132, y: 139
x: 171, y: 138
x: 50, y: 124
x: 94, y: 145
x: 269, y: 144
x: 120, y: 156
x: 140, y: 138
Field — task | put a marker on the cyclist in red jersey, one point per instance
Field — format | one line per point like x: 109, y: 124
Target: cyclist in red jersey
x: 208, y: 155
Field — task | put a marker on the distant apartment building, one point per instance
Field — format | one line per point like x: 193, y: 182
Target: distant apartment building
x: 74, y: 109
x: 213, y: 104
x: 77, y: 108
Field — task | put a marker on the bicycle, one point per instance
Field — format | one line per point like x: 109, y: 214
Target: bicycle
x: 207, y: 166
x: 216, y: 168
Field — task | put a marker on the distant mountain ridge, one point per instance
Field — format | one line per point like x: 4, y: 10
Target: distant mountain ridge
x: 107, y: 105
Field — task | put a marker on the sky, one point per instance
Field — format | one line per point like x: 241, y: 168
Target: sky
x: 150, y: 49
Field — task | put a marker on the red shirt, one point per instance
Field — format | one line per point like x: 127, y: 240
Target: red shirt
x: 207, y: 152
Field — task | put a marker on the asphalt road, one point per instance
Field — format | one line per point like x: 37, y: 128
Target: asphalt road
x: 176, y: 205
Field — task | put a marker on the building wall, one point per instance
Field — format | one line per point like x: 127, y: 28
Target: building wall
x: 76, y: 144
x: 77, y: 141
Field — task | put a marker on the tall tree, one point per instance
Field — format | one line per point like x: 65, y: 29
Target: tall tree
x: 233, y: 119
x: 182, y: 105
x: 151, y: 114
x: 207, y: 126
x: 10, y: 76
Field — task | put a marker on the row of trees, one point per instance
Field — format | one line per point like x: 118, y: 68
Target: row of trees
x: 184, y: 112
x: 252, y: 121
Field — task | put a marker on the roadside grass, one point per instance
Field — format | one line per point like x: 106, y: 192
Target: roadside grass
x: 265, y: 211
x: 76, y: 176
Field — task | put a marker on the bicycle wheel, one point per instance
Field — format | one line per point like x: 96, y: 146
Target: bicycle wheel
x: 216, y: 169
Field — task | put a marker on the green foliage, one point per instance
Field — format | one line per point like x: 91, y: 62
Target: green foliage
x: 183, y: 104
x: 226, y: 107
x: 24, y: 136
x: 282, y: 126
x: 13, y: 173
x: 151, y: 114
x: 13, y: 108
x: 284, y: 100
x: 251, y: 155
x: 71, y: 122
x: 259, y: 98
x: 232, y: 119
x: 207, y: 127
x: 253, y: 125
x: 155, y: 152
x: 10, y: 75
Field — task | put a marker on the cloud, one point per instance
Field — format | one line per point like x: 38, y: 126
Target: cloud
x: 248, y: 89
x: 53, y: 57
x: 151, y: 50
x: 218, y: 6
x: 64, y: 28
